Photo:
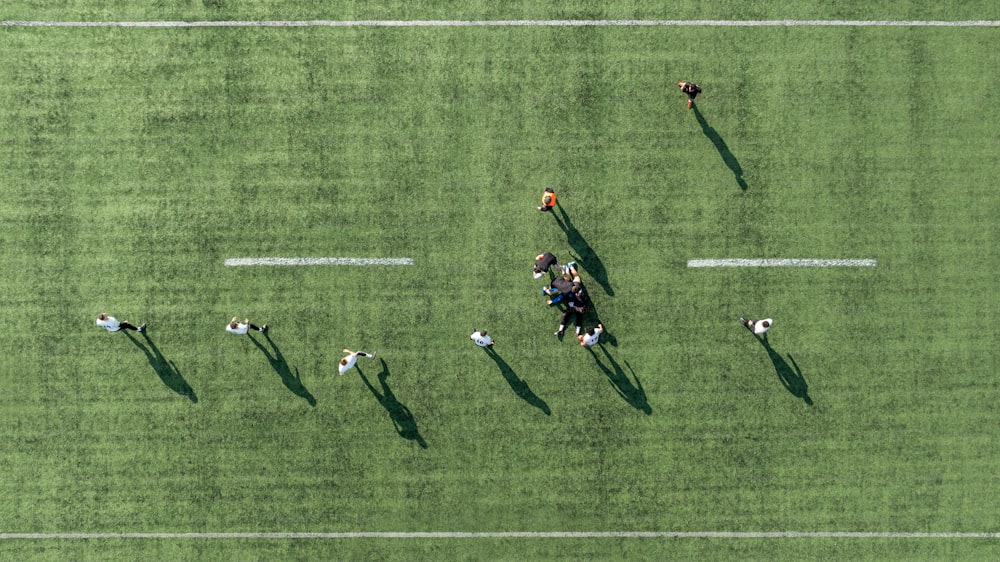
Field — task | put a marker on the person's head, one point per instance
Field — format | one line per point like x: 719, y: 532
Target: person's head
x: 590, y: 330
x: 681, y: 84
x: 482, y: 333
x: 102, y: 317
x: 234, y: 324
x: 343, y: 361
x: 549, y: 190
x: 765, y: 324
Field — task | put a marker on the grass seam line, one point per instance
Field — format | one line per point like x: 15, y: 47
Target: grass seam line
x: 512, y: 534
x: 509, y: 23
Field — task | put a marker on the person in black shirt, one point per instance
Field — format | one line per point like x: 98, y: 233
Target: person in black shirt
x: 563, y: 285
x: 691, y: 89
x: 577, y: 304
x: 543, y: 262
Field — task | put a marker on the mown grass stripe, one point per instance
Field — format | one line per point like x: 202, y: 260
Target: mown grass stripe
x: 235, y: 262
x: 513, y: 534
x: 779, y: 263
x: 511, y: 23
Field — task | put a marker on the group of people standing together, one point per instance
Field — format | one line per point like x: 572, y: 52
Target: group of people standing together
x: 565, y: 289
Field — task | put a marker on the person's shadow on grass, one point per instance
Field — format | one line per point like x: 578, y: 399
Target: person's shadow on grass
x: 632, y: 393
x: 585, y: 256
x: 790, y: 375
x: 720, y: 145
x: 165, y: 369
x: 519, y: 387
x: 292, y: 381
x: 402, y: 418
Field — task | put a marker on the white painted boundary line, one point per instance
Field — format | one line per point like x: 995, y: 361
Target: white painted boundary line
x: 318, y: 261
x: 504, y: 535
x: 780, y: 263
x: 510, y: 23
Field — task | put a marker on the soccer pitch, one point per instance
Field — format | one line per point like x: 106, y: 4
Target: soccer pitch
x: 137, y: 161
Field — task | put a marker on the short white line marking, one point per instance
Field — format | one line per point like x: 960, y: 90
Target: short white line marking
x: 318, y: 261
x: 510, y: 23
x: 780, y: 263
x: 487, y: 535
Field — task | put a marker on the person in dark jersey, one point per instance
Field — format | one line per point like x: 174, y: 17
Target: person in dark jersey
x: 544, y: 262
x: 691, y: 89
x: 577, y: 304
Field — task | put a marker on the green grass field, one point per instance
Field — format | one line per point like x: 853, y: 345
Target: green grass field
x: 135, y: 161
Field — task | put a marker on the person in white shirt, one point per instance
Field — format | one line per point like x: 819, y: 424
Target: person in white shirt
x: 240, y: 328
x: 481, y: 338
x: 111, y: 324
x: 758, y: 327
x: 352, y: 357
x: 590, y: 336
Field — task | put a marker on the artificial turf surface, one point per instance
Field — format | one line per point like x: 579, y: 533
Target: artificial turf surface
x: 137, y: 160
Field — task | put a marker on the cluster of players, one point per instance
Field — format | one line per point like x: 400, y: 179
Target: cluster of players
x: 565, y: 290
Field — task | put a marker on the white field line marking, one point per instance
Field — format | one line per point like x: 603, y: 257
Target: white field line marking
x: 510, y: 23
x: 780, y: 263
x: 318, y: 261
x: 504, y: 535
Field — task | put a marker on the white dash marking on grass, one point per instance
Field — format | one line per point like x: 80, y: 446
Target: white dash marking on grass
x: 234, y: 262
x: 780, y: 263
x: 505, y: 535
x: 511, y: 23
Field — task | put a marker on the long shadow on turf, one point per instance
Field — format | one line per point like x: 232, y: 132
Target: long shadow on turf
x: 519, y: 387
x: 402, y: 418
x: 790, y: 377
x: 720, y: 145
x: 292, y: 381
x: 165, y: 369
x: 585, y: 256
x: 632, y: 393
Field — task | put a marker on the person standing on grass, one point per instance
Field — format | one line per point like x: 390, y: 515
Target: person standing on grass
x: 111, y: 324
x: 548, y: 200
x: 481, y: 338
x: 590, y: 336
x: 239, y: 328
x: 352, y: 357
x: 691, y: 89
x: 758, y: 327
x: 543, y: 262
x: 576, y: 307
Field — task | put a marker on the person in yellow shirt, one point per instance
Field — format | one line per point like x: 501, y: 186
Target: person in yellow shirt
x: 548, y: 200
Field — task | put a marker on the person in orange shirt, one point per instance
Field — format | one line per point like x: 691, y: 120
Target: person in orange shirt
x: 548, y: 200
x: 691, y: 89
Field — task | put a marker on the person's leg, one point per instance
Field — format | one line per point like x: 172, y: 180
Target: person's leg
x: 579, y: 322
x: 565, y: 319
x: 258, y: 328
x: 129, y: 326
